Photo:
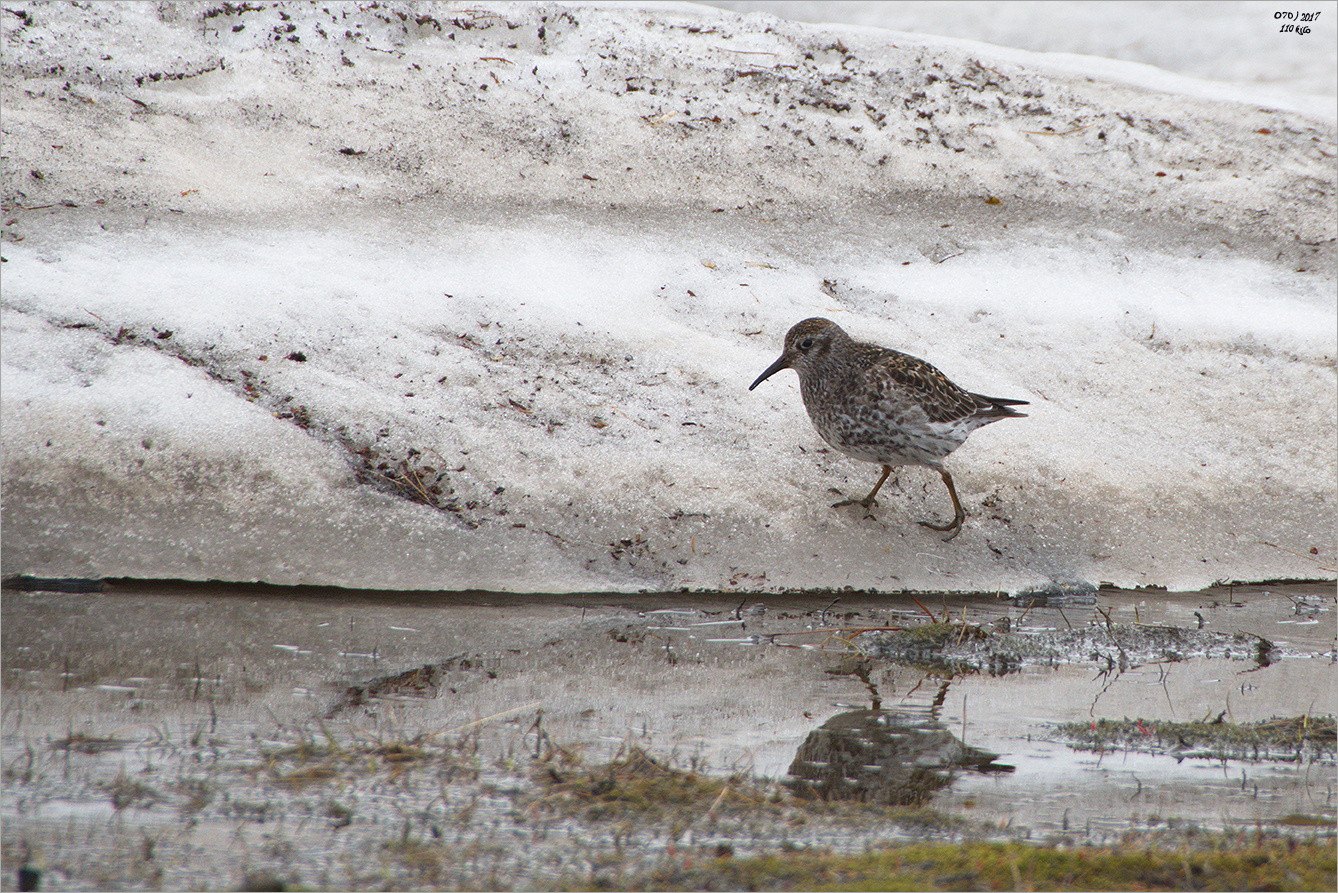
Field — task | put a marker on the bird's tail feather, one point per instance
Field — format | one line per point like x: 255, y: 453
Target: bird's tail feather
x: 999, y: 406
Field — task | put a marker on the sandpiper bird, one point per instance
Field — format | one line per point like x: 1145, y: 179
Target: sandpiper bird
x: 884, y: 406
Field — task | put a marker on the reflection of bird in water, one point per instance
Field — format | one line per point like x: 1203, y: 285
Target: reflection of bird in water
x: 880, y: 756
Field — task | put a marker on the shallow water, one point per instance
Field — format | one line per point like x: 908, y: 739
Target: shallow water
x: 165, y: 685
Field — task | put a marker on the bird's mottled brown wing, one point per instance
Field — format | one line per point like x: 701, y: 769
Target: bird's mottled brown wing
x: 921, y: 383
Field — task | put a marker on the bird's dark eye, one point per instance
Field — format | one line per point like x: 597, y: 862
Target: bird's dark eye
x: 806, y: 344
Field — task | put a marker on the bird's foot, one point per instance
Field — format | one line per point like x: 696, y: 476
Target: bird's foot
x: 952, y: 528
x: 866, y: 502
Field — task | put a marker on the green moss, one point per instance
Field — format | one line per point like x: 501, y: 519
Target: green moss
x: 634, y: 785
x: 943, y: 648
x: 937, y: 634
x: 1277, y: 864
x: 1295, y: 738
x: 309, y: 761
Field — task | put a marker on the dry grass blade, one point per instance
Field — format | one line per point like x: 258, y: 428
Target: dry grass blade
x: 479, y: 722
x: 928, y: 613
x: 1313, y: 559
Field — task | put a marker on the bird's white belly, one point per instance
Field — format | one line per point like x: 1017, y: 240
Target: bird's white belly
x: 902, y: 439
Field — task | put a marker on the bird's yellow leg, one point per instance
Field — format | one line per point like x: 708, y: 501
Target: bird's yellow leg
x: 868, y: 500
x: 959, y: 514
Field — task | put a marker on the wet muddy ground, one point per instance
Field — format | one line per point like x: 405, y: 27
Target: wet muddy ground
x: 196, y: 736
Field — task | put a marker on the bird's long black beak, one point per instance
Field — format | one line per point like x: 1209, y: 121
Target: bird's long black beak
x: 782, y: 363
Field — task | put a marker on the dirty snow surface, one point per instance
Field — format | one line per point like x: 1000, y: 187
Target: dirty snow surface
x: 458, y: 296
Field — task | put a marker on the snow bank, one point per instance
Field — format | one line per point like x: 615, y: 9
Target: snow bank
x: 1241, y: 45
x: 429, y: 296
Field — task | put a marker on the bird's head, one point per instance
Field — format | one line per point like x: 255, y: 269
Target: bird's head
x: 806, y: 345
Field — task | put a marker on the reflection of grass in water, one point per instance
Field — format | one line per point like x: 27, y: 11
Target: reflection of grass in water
x: 1294, y: 738
x: 1219, y: 862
